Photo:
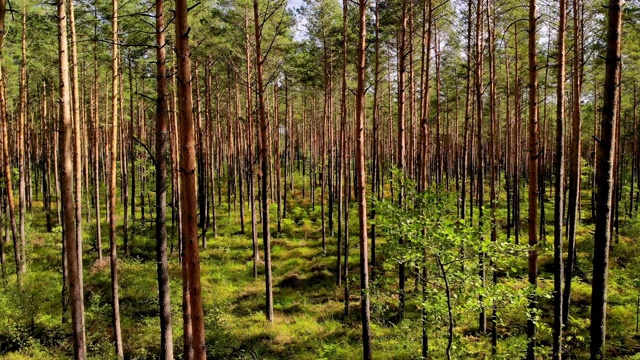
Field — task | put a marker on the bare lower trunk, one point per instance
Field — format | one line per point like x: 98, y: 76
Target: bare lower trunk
x: 558, y: 211
x: 6, y: 161
x: 533, y: 176
x: 162, y: 137
x: 250, y: 153
x: 573, y: 215
x: 77, y: 133
x: 482, y: 317
x: 361, y: 185
x: 113, y: 183
x: 264, y: 164
x: 604, y: 181
x: 400, y: 161
x: 68, y: 203
x: 188, y: 181
x: 21, y: 150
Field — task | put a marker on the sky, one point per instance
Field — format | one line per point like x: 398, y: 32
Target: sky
x: 301, y: 22
x: 295, y: 3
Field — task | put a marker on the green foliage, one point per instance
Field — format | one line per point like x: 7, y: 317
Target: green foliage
x: 448, y: 249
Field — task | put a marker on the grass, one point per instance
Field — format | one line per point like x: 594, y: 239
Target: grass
x: 309, y: 308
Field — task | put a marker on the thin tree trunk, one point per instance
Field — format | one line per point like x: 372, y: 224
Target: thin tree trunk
x: 278, y: 157
x: 250, y: 152
x: 634, y: 157
x: 516, y: 141
x: 534, y: 156
x: 479, y: 50
x: 113, y: 181
x: 3, y: 241
x: 467, y: 118
x: 575, y: 160
x: 400, y: 161
x: 265, y: 159
x: 493, y: 138
x: 343, y: 148
x: 21, y: 138
x: 323, y: 148
x: 558, y: 211
x: 362, y: 183
x: 343, y: 210
x: 8, y: 184
x: 77, y: 123
x: 5, y: 150
x: 46, y: 190
x: 424, y: 148
x: 375, y: 145
x: 96, y: 142
x: 162, y: 137
x: 74, y: 266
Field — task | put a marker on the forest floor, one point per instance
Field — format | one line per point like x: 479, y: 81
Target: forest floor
x: 309, y: 308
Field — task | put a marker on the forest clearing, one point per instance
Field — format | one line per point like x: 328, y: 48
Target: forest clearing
x: 322, y: 179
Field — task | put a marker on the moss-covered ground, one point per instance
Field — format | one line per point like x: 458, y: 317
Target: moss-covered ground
x: 309, y: 308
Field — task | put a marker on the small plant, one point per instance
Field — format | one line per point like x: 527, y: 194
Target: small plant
x: 445, y: 254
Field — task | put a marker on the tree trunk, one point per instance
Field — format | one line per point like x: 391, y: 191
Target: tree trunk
x: 21, y: 151
x: 113, y: 181
x: 188, y: 181
x: 575, y: 160
x: 162, y: 137
x: 343, y: 268
x: 278, y: 157
x: 534, y: 156
x: 264, y: 165
x: 46, y: 193
x: 343, y: 148
x: 400, y: 161
x: 423, y: 154
x: 493, y: 138
x: 467, y: 119
x: 479, y: 50
x: 250, y: 152
x: 5, y: 150
x: 74, y: 266
x: 362, y: 183
x: 77, y: 133
x: 604, y: 179
x: 558, y: 211
x: 375, y: 145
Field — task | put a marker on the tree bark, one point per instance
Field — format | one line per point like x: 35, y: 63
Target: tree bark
x: 493, y: 138
x: 575, y: 161
x: 46, y: 193
x: 113, y: 183
x: 188, y: 194
x: 96, y: 141
x: 21, y: 150
x: 343, y: 148
x: 162, y: 137
x: 534, y: 156
x: 558, y: 211
x: 362, y: 182
x: 74, y: 266
x: 6, y: 160
x: 343, y: 268
x: 264, y: 165
x: 400, y: 161
x: 604, y: 180
x: 479, y: 50
x: 250, y: 152
x: 77, y: 133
